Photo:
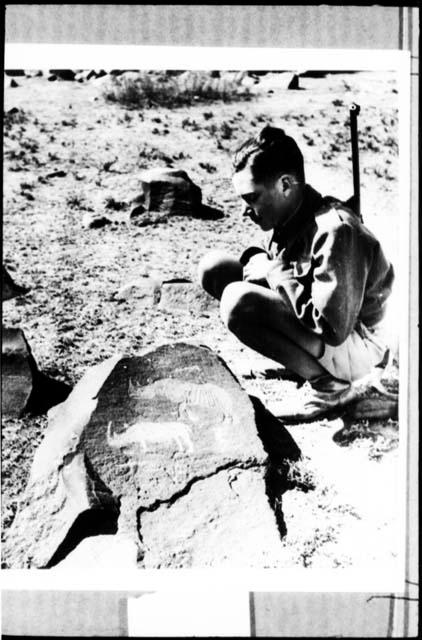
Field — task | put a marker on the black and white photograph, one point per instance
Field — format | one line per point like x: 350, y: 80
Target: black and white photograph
x: 204, y: 344
x: 201, y: 337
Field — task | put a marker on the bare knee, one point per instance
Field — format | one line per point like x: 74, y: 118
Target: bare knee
x: 238, y: 305
x: 216, y: 270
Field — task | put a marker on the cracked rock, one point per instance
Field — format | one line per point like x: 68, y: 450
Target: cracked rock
x: 194, y: 465
x: 230, y: 525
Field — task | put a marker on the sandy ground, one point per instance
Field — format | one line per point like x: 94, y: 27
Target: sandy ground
x: 69, y: 152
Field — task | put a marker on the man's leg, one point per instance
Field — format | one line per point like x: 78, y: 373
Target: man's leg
x: 216, y: 270
x: 262, y: 320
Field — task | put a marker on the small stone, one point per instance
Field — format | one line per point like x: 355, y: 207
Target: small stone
x: 56, y: 174
x: 90, y: 221
x: 145, y: 288
x: 13, y: 84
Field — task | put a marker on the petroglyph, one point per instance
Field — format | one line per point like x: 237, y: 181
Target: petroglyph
x: 177, y: 471
x: 198, y: 403
x: 146, y: 433
x: 206, y: 404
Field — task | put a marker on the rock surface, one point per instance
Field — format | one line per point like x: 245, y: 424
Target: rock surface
x: 95, y: 221
x: 102, y: 552
x: 145, y: 288
x: 14, y: 72
x: 195, y: 465
x: 170, y: 192
x: 294, y: 82
x: 18, y: 365
x: 63, y: 74
x: 25, y: 389
x: 179, y: 295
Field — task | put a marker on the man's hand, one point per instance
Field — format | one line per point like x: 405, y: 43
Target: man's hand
x: 257, y: 268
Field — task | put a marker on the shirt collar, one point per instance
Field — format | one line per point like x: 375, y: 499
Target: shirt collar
x: 299, y: 221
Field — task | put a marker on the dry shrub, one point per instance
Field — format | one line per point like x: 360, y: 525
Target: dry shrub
x: 301, y: 475
x: 160, y: 88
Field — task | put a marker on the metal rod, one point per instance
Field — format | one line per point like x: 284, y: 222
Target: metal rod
x: 354, y: 112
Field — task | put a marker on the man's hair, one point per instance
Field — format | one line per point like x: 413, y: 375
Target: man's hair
x: 270, y: 154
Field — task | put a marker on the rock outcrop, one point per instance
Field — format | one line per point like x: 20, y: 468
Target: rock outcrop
x: 18, y: 365
x: 166, y: 451
x: 169, y: 192
x: 25, y: 389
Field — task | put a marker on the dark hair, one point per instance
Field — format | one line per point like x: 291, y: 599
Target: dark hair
x: 270, y: 154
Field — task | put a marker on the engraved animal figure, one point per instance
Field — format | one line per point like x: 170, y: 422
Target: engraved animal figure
x: 204, y: 403
x: 145, y: 433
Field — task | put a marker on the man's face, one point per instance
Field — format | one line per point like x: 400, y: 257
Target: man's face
x: 267, y: 204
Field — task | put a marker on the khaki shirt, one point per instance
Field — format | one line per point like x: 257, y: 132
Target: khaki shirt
x: 330, y: 266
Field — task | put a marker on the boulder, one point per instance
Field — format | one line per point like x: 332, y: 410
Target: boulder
x: 169, y: 192
x: 14, y: 73
x: 63, y: 74
x: 9, y: 288
x: 18, y: 365
x: 95, y: 221
x: 34, y: 73
x: 13, y: 84
x: 25, y: 389
x: 194, y: 466
x: 294, y: 82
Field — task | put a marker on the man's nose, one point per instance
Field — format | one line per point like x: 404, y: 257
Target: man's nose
x: 246, y: 211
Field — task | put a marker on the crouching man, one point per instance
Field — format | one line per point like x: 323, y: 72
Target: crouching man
x: 312, y: 295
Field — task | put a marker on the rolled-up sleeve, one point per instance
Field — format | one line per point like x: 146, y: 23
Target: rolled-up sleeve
x: 327, y: 294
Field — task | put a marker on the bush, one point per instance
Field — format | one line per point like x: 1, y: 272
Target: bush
x: 160, y: 88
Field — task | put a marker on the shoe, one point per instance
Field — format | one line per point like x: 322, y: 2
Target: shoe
x: 316, y: 398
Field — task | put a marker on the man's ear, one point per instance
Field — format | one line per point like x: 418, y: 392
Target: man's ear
x: 285, y: 183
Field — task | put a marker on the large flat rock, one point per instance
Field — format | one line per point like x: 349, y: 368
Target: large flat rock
x: 170, y: 438
x: 230, y: 525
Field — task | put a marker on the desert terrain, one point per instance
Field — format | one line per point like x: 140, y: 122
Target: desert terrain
x: 69, y: 154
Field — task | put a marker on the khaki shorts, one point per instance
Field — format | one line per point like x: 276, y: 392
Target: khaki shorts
x: 357, y: 355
